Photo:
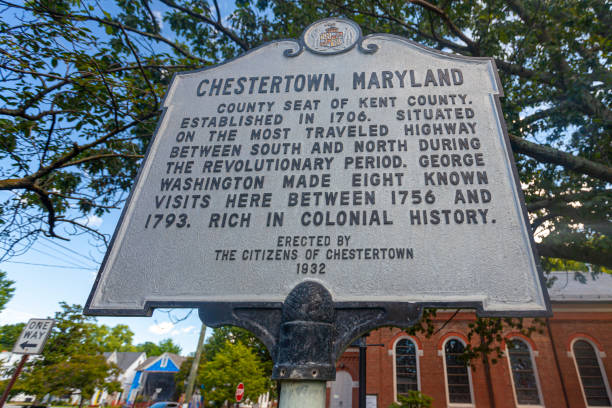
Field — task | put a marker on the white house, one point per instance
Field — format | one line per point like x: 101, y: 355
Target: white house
x: 127, y: 363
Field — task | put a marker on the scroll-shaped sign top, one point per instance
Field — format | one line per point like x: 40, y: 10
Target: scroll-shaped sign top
x: 375, y: 166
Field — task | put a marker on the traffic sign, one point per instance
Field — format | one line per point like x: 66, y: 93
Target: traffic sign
x: 33, y: 337
x: 239, y: 392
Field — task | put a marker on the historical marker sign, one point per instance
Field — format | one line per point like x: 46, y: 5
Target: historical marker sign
x: 375, y: 166
x: 33, y: 336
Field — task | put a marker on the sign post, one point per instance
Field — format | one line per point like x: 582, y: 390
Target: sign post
x: 9, y: 386
x: 31, y: 341
x: 346, y: 183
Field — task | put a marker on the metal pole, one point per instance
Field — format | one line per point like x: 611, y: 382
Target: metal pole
x: 363, y: 347
x: 6, y: 392
x: 194, y: 366
x: 362, y: 372
x: 303, y: 394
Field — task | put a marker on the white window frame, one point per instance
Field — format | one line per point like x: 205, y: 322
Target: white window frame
x: 442, y: 353
x: 419, y: 353
x: 602, y: 370
x: 532, y: 355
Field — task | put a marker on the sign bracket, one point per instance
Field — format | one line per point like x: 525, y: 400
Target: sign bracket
x: 307, y: 332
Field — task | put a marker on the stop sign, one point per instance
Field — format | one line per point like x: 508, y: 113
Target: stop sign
x: 239, y: 392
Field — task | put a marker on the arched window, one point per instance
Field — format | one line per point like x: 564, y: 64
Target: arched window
x: 594, y: 385
x: 458, y: 378
x: 406, y: 367
x: 526, y: 386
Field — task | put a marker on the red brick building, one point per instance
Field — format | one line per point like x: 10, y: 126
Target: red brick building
x: 564, y: 365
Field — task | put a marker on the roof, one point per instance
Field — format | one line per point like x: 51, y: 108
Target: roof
x: 126, y: 359
x: 123, y: 359
x: 146, y: 363
x: 569, y: 286
x: 172, y: 363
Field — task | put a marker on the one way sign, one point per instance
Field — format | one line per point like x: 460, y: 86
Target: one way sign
x: 33, y: 337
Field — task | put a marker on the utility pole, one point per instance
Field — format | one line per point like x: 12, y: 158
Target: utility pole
x: 193, y: 372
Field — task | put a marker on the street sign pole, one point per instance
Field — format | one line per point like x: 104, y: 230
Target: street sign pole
x: 31, y: 341
x: 6, y: 392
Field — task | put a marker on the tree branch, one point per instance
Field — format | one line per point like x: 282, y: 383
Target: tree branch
x: 102, y: 156
x: 110, y: 94
x: 145, y: 3
x: 88, y: 200
x: 590, y: 105
x: 46, y: 201
x: 566, y: 198
x: 49, y: 135
x: 86, y: 74
x: 28, y: 181
x: 21, y: 114
x: 409, y: 27
x: 569, y: 161
x: 217, y: 25
x: 85, y: 227
x: 576, y: 252
x: 218, y: 11
x: 523, y: 72
x: 144, y: 75
x: 115, y: 24
x: 467, y: 40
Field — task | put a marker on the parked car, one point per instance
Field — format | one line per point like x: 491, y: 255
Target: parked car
x: 165, y: 404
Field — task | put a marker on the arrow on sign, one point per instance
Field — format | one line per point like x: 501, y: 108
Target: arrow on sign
x: 25, y: 344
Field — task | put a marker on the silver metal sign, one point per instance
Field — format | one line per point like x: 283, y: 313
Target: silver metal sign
x: 33, y: 336
x: 374, y: 166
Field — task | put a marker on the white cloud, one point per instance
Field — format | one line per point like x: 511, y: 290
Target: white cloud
x: 159, y: 19
x: 170, y: 328
x: 161, y: 328
x: 93, y: 220
x: 12, y: 316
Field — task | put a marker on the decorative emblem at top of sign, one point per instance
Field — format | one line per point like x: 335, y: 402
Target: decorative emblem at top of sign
x: 332, y: 36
